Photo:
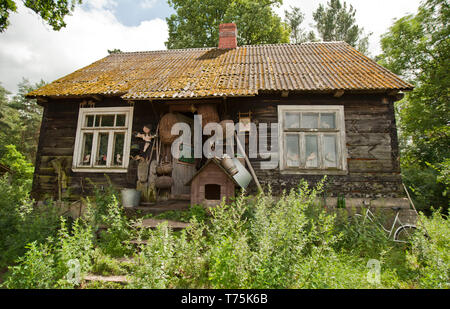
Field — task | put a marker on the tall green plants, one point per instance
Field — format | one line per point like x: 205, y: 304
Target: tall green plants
x: 57, y: 263
x: 21, y: 222
x: 430, y: 252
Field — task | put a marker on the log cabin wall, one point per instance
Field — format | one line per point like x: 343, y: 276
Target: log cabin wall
x: 57, y: 138
x: 371, y: 136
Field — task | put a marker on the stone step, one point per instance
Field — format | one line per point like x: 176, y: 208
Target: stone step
x: 126, y: 260
x: 158, y: 208
x: 116, y: 279
x: 153, y: 223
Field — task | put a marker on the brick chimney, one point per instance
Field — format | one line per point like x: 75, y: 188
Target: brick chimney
x: 227, y: 36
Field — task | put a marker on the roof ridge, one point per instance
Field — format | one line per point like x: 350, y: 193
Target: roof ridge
x: 162, y: 50
x: 210, y: 48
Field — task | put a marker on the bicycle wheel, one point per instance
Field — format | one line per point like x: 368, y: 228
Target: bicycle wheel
x: 404, y: 233
x: 355, y: 217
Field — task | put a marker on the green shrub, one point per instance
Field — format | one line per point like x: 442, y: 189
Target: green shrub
x: 197, y: 211
x: 430, y: 252
x: 255, y: 242
x: 427, y: 185
x: 155, y: 261
x: 118, y: 230
x: 103, y: 197
x: 264, y: 242
x: 107, y: 213
x: 35, y: 269
x: 362, y: 237
x: 192, y: 256
x: 21, y: 222
x: 105, y: 265
x: 22, y: 170
x: 49, y: 265
x: 76, y: 244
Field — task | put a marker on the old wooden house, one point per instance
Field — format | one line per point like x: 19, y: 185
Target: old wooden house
x: 332, y: 106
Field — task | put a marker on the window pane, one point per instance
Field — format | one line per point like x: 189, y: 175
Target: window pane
x: 327, y: 121
x: 310, y: 121
x: 87, y: 149
x: 89, y: 121
x: 97, y: 120
x: 292, y: 151
x: 329, y: 151
x: 120, y: 121
x: 102, y: 150
x: 311, y: 151
x: 119, y: 139
x: 292, y: 121
x: 108, y: 121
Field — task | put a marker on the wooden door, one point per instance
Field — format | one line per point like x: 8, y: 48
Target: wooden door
x: 182, y: 172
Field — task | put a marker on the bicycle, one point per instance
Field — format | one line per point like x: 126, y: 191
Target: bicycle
x: 402, y: 233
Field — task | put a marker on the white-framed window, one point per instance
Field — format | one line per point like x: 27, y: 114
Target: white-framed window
x: 312, y: 139
x: 102, y: 143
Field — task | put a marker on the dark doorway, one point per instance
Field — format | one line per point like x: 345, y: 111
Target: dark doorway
x: 212, y: 192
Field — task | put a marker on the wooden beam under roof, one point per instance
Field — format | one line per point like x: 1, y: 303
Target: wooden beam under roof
x: 339, y: 93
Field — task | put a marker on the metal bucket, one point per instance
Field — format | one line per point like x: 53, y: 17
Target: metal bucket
x: 229, y: 165
x: 131, y: 197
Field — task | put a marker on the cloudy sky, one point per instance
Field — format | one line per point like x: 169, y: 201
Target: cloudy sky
x: 30, y: 49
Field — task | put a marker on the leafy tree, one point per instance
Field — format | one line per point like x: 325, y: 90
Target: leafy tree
x: 196, y: 22
x: 337, y: 22
x: 114, y: 51
x: 294, y: 19
x: 21, y: 168
x: 51, y: 11
x: 9, y: 118
x: 20, y: 120
x: 4, y: 125
x: 417, y: 47
x: 30, y: 114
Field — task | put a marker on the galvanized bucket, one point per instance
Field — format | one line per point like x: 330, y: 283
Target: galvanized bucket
x: 229, y: 165
x: 131, y: 197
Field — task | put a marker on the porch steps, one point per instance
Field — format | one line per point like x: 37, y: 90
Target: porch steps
x: 126, y: 260
x: 115, y: 279
x: 158, y: 208
x: 153, y: 223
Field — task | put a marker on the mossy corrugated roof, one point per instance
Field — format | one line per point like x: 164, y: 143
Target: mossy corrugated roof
x: 212, y: 72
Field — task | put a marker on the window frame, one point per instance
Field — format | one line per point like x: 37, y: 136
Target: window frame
x: 82, y: 129
x: 339, y: 132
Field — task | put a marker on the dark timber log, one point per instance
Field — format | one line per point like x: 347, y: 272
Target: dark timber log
x: 371, y: 138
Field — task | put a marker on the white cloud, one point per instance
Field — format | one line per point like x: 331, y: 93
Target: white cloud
x: 374, y: 16
x: 147, y: 4
x: 101, y: 4
x: 30, y: 49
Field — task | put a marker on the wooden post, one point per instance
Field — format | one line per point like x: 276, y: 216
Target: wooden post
x: 414, y: 207
x: 248, y: 163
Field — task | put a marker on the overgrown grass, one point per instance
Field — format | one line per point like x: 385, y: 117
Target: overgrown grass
x: 257, y: 242
x: 197, y: 211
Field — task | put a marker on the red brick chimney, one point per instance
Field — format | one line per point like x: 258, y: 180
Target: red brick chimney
x: 227, y: 36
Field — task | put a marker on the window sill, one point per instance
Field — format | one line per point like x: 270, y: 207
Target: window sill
x: 99, y: 170
x: 313, y: 172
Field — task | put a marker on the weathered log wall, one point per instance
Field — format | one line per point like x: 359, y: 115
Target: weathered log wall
x: 371, y: 135
x: 58, y: 131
